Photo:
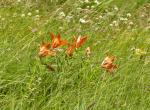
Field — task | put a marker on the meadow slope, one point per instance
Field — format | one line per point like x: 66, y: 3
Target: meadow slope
x: 120, y: 28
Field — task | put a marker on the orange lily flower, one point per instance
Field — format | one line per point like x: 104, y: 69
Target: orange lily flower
x: 79, y: 41
x: 108, y: 64
x: 44, y: 50
x: 70, y: 50
x: 56, y: 41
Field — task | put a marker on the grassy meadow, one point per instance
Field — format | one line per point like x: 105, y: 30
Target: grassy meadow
x: 120, y: 28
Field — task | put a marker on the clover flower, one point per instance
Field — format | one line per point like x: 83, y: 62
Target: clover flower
x: 86, y: 1
x: 18, y: 1
x: 128, y: 14
x: 115, y: 23
x: 3, y: 19
x: 83, y: 21
x: 29, y: 14
x: 97, y: 2
x: 139, y: 52
x: 22, y: 15
x: 37, y: 11
x: 61, y: 15
x: 116, y: 8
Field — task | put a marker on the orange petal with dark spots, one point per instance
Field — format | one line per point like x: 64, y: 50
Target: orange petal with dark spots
x: 108, y: 65
x: 56, y: 41
x: 45, y: 50
x: 79, y: 41
x: 70, y: 50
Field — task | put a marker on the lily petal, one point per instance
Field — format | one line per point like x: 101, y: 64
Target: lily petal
x: 56, y: 41
x: 108, y: 65
x: 70, y: 50
x: 79, y: 41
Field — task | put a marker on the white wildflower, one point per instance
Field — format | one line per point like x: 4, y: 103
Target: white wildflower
x: 29, y: 14
x: 111, y: 25
x: 142, y: 16
x: 92, y: 6
x: 116, y: 8
x: 61, y: 15
x: 68, y: 18
x: 139, y: 52
x: 97, y: 18
x: 15, y: 14
x: 22, y: 15
x: 3, y: 19
x: 129, y: 27
x: 79, y: 8
x: 39, y: 79
x: 86, y: 1
x: 131, y: 23
x: 115, y: 23
x: 81, y: 1
x: 88, y: 7
x: 128, y: 14
x: 125, y: 22
x: 123, y: 19
x: 100, y: 16
x: 37, y: 11
x: 34, y: 30
x: 96, y: 28
x: 106, y: 10
x: 133, y: 49
x: 18, y: 0
x: 83, y: 21
x: 60, y: 28
x: 40, y: 32
x: 37, y: 16
x: 97, y: 2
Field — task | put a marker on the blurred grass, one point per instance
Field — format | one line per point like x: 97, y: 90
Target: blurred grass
x: 78, y: 83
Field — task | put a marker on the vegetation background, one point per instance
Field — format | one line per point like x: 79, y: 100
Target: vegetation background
x: 118, y: 27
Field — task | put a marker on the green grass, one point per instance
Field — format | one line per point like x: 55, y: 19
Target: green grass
x: 78, y: 83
